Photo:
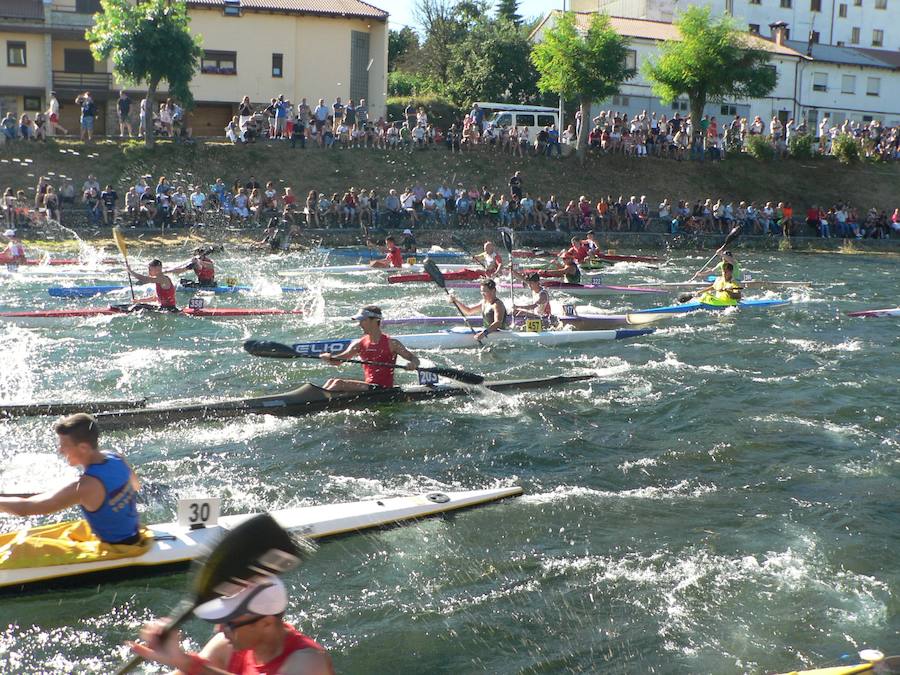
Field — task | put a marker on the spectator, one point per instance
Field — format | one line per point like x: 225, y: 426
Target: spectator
x: 25, y: 130
x: 53, y: 115
x: 123, y: 110
x: 40, y: 127
x: 108, y: 199
x: 88, y: 112
x: 9, y: 127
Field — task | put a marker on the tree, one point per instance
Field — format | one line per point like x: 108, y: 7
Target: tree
x: 491, y: 63
x: 148, y: 41
x: 713, y: 61
x: 587, y: 68
x: 400, y: 43
x: 509, y: 10
x: 444, y: 24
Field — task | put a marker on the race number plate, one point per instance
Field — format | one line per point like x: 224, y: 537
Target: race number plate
x: 569, y: 310
x: 597, y: 279
x: 196, y: 303
x: 533, y: 325
x: 411, y: 260
x: 427, y: 378
x: 197, y: 513
x: 231, y: 282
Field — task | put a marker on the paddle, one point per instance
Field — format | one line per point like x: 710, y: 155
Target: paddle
x: 282, y: 351
x: 438, y: 277
x: 257, y: 547
x: 123, y: 249
x: 459, y: 242
x: 734, y: 234
x: 506, y: 235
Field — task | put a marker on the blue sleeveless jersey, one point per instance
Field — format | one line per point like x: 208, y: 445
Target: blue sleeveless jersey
x: 117, y: 518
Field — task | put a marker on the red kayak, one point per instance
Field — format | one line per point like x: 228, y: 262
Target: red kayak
x: 52, y: 261
x: 454, y: 275
x: 213, y: 313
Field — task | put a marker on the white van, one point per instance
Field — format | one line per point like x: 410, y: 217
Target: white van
x: 535, y: 117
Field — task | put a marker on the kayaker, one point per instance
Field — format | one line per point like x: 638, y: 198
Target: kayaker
x: 106, y: 492
x: 201, y: 265
x: 727, y: 257
x: 393, y: 255
x: 493, y: 312
x: 251, y: 638
x: 14, y: 251
x: 578, y: 250
x: 571, y: 270
x: 165, y: 289
x: 372, y: 346
x: 492, y: 260
x: 724, y: 290
x: 540, y: 306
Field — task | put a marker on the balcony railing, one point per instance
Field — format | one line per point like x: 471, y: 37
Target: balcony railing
x: 72, y: 82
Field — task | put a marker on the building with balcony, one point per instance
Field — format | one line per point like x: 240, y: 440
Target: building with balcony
x: 257, y: 48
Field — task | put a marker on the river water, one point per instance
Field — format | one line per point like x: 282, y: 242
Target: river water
x: 723, y: 498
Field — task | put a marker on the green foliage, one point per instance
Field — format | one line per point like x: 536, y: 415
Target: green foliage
x: 400, y: 43
x: 846, y: 148
x: 403, y: 83
x: 760, y: 147
x: 590, y: 67
x: 444, y: 24
x: 441, y: 111
x: 509, y: 11
x: 801, y: 146
x: 148, y: 41
x: 713, y: 61
x: 491, y: 63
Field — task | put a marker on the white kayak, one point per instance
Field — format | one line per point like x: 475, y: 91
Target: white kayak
x: 575, y: 290
x: 176, y: 545
x: 876, y: 312
x: 460, y: 337
x: 355, y: 269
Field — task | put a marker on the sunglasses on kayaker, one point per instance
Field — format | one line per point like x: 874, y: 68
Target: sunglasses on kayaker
x: 232, y: 626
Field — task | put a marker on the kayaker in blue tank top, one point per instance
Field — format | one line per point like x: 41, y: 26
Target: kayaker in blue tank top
x: 106, y: 492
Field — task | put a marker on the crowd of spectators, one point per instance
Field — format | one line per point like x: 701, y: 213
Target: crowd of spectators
x: 157, y: 202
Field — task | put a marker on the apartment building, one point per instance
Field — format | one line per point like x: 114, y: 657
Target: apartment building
x: 256, y: 48
x: 854, y: 23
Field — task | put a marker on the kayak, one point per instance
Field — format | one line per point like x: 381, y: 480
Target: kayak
x: 875, y: 662
x: 174, y: 546
x: 373, y: 254
x: 353, y: 269
x: 53, y: 262
x: 876, y: 312
x: 93, y: 291
x: 578, y: 290
x: 117, y: 310
x: 611, y: 257
x: 460, y: 337
x: 467, y: 274
x: 309, y: 399
x: 36, y: 409
x: 695, y: 305
x: 582, y: 320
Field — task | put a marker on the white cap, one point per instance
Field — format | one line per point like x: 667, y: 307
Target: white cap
x: 266, y: 597
x: 407, y: 231
x: 9, y: 233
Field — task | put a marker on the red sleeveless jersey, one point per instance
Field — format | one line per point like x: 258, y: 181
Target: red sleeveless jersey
x: 377, y: 351
x: 166, y: 296
x: 243, y: 663
x: 395, y: 257
x: 206, y: 271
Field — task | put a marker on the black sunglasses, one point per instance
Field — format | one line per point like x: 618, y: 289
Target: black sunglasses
x: 234, y: 625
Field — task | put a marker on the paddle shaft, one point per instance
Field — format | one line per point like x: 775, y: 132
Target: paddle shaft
x: 437, y: 277
x: 459, y: 242
x: 452, y: 373
x: 735, y: 232
x: 120, y: 243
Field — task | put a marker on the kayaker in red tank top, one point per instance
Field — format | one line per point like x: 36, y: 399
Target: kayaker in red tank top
x: 372, y: 346
x: 201, y: 265
x: 393, y: 255
x: 244, y: 662
x: 165, y: 289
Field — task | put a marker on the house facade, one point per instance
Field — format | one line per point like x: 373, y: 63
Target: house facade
x: 257, y: 48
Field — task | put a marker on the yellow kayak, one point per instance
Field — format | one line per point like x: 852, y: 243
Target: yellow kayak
x: 836, y: 670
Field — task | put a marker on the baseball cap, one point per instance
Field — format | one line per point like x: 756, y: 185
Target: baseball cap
x: 407, y: 231
x: 266, y: 597
x: 367, y: 312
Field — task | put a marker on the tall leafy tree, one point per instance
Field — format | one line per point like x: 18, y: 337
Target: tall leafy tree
x: 148, y: 41
x: 400, y: 43
x: 509, y: 10
x: 585, y: 67
x: 713, y: 61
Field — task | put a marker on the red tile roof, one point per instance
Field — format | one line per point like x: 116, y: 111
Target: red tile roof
x: 332, y: 8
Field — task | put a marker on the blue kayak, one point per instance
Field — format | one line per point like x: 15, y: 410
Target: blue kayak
x: 374, y: 254
x: 695, y: 305
x: 93, y: 291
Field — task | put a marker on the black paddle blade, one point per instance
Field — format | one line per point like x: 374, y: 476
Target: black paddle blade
x: 459, y: 242
x: 275, y: 350
x: 685, y: 297
x: 734, y: 234
x: 258, y: 546
x: 431, y: 269
x: 507, y: 237
x: 458, y: 375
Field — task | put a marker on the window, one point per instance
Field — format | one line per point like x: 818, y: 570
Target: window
x: 277, y: 65
x: 232, y: 8
x: 31, y: 102
x: 815, y: 5
x: 754, y: 28
x: 854, y: 35
x: 15, y: 54
x: 848, y: 84
x: 525, y: 120
x: 820, y: 81
x: 814, y: 37
x: 755, y: 2
x: 880, y: 4
x: 857, y: 3
x: 840, y: 43
x: 877, y: 37
x: 546, y: 120
x: 679, y: 105
x: 786, y: 4
x: 728, y: 110
x: 359, y: 65
x: 631, y: 59
x: 621, y: 100
x: 87, y: 6
x: 218, y: 63
x: 873, y: 86
x: 842, y: 10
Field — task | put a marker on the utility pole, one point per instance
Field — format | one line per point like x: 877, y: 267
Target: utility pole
x: 562, y: 103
